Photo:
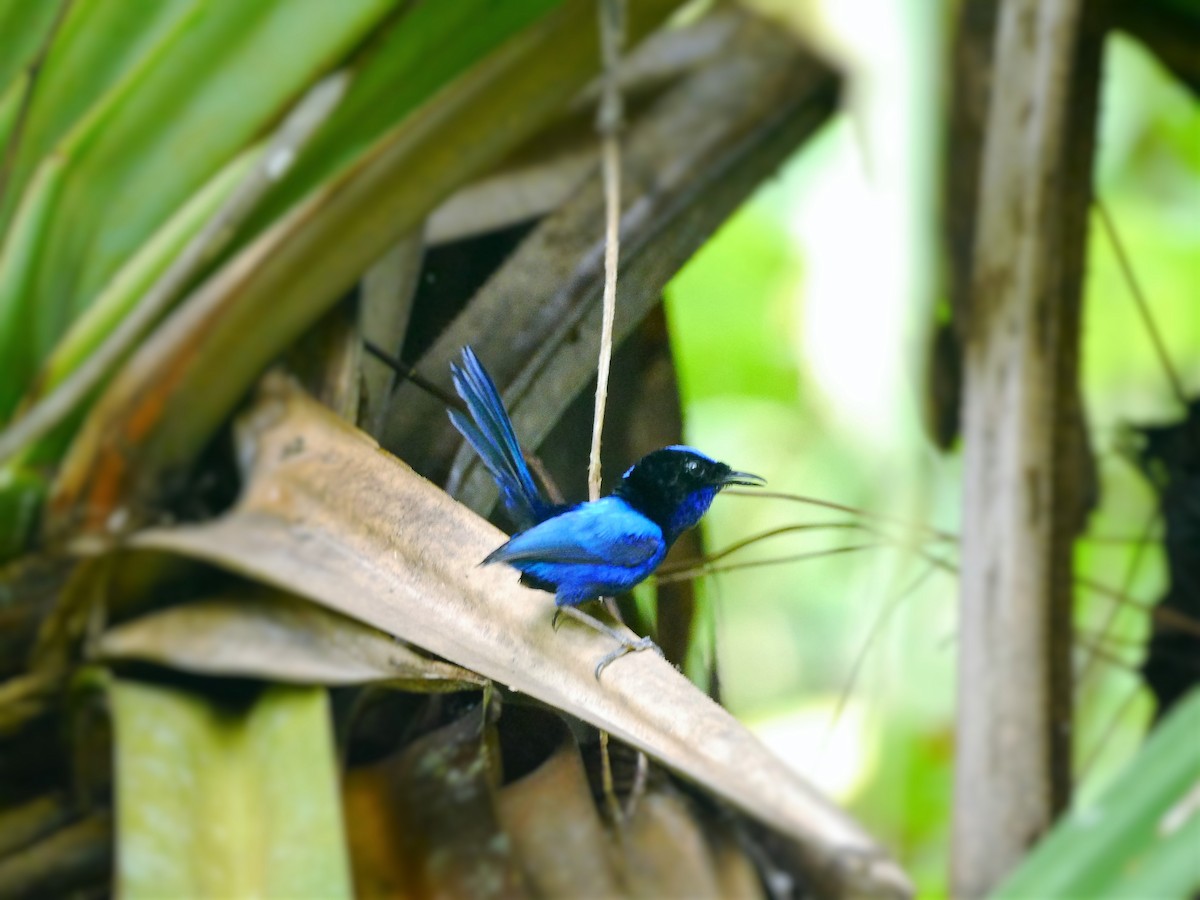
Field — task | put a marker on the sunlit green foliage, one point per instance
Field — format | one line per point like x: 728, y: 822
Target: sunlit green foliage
x: 1139, y: 837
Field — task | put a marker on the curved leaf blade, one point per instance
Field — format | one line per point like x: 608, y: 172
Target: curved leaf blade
x: 1140, y: 838
x: 276, y: 637
x: 329, y: 516
x: 139, y: 115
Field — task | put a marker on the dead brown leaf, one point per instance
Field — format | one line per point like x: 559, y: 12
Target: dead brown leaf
x: 328, y: 515
x: 270, y: 635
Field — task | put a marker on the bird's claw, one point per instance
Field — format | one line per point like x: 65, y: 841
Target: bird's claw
x: 627, y: 646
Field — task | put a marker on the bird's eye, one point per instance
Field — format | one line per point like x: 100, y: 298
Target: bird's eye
x: 692, y: 466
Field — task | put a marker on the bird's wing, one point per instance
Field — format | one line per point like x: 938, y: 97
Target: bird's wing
x: 605, y: 532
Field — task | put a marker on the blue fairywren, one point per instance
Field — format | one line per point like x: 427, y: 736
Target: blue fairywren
x: 584, y: 551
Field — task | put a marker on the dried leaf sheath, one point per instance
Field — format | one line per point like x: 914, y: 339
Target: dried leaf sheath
x: 327, y: 515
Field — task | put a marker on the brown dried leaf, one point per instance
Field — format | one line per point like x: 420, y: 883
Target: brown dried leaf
x: 736, y: 874
x: 665, y: 850
x: 423, y: 822
x: 274, y: 636
x: 544, y: 173
x: 687, y: 164
x: 549, y: 814
x: 328, y: 515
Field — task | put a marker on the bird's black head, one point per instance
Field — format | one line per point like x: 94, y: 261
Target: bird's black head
x: 674, y: 486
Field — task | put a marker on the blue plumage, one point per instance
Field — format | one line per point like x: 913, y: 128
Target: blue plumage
x: 493, y: 438
x: 586, y: 550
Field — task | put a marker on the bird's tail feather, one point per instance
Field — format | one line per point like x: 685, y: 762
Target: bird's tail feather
x: 491, y: 435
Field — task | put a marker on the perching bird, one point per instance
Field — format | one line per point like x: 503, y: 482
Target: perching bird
x: 584, y: 551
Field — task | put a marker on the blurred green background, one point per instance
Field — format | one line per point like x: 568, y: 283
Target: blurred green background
x: 801, y: 331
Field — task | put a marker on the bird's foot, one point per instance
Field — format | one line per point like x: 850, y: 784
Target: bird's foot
x: 627, y: 646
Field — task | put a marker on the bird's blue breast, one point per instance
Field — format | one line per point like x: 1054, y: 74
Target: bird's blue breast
x: 689, y: 513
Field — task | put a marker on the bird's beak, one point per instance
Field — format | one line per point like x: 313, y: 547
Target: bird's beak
x: 743, y: 478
